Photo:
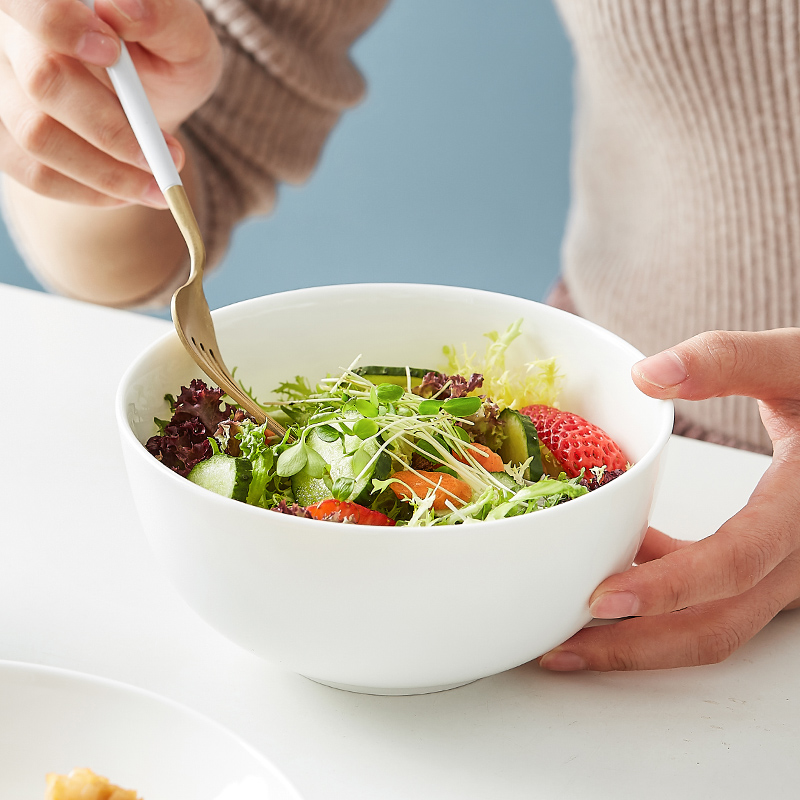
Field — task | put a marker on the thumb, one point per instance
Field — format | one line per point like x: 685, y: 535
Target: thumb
x: 764, y: 365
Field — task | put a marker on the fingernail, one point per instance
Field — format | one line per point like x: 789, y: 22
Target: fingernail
x: 662, y: 370
x: 176, y: 151
x: 614, y: 605
x: 131, y: 9
x: 98, y: 49
x: 562, y: 661
x: 152, y: 196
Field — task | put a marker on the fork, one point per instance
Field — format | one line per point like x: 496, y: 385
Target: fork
x: 190, y: 312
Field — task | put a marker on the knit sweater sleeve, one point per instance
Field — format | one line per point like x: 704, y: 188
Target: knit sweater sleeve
x: 287, y: 78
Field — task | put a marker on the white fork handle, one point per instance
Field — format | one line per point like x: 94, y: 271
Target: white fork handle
x: 143, y: 121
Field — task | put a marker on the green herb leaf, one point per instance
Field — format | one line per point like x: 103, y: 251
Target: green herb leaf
x: 342, y: 488
x: 429, y: 449
x: 328, y: 433
x: 252, y: 440
x: 461, y: 433
x: 292, y: 460
x: 316, y: 464
x: 462, y: 406
x: 365, y: 428
x: 299, y: 390
x: 389, y: 392
x: 429, y: 407
x: 366, y: 408
x: 361, y: 458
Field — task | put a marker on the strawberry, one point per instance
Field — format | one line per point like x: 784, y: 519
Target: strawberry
x: 573, y: 442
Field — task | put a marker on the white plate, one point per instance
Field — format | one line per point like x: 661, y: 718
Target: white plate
x: 52, y: 720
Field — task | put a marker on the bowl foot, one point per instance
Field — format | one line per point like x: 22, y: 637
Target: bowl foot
x: 346, y: 687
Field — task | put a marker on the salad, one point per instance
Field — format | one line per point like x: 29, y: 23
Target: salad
x: 396, y: 445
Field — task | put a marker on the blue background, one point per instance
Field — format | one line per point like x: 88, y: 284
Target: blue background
x: 453, y: 170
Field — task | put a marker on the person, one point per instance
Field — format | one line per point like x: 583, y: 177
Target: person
x: 246, y: 93
x: 684, y: 226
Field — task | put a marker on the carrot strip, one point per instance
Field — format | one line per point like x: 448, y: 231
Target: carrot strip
x: 445, y: 488
x: 487, y: 458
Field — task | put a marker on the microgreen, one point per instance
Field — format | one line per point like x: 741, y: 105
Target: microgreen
x: 315, y: 464
x: 342, y: 488
x: 292, y: 460
x: 461, y: 433
x: 361, y: 458
x: 365, y: 407
x: 429, y: 407
x: 431, y: 449
x: 365, y: 428
x: 389, y: 392
x: 462, y: 406
x: 328, y: 433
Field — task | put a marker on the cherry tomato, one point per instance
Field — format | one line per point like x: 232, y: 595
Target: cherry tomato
x: 342, y: 511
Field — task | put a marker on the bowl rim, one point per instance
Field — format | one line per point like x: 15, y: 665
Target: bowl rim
x: 666, y: 407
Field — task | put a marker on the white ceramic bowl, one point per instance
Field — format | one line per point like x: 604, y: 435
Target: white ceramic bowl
x: 394, y: 610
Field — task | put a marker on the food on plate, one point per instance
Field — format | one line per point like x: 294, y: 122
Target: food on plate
x: 83, y: 784
x: 396, y: 445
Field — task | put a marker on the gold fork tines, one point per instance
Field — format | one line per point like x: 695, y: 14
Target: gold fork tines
x: 192, y: 316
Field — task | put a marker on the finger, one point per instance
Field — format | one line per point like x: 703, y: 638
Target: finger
x: 67, y: 27
x: 34, y: 175
x: 736, y: 558
x: 49, y: 143
x: 67, y: 91
x: 705, y: 634
x: 176, y: 53
x: 175, y: 31
x: 656, y: 545
x: 764, y: 364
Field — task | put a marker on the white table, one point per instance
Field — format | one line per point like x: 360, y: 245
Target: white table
x: 79, y: 589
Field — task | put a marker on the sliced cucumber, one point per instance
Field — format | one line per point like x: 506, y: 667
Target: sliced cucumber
x: 521, y: 443
x: 226, y: 475
x: 396, y: 375
x: 308, y: 489
x: 507, y: 481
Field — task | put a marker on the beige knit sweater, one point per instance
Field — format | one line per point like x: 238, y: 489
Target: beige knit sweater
x: 686, y: 204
